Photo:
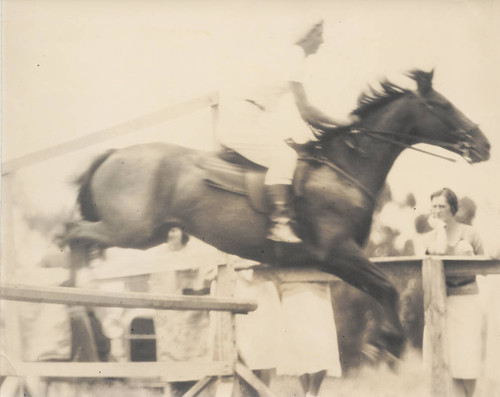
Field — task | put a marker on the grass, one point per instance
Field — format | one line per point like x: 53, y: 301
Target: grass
x: 409, y: 381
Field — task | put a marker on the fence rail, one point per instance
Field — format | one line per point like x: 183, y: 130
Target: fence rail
x: 453, y: 266
x: 166, y: 371
x: 88, y: 297
x: 208, y: 100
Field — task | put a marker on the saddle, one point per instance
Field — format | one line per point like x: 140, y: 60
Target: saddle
x: 228, y: 170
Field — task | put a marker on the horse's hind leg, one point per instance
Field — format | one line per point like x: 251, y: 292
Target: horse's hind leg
x: 350, y: 265
x: 99, y: 233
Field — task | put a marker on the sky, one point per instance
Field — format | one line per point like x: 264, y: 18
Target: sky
x: 75, y: 67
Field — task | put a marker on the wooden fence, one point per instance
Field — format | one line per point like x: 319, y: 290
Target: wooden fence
x: 225, y: 357
x: 434, y: 269
x: 224, y: 366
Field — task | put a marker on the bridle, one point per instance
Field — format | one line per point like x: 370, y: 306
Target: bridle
x: 462, y: 146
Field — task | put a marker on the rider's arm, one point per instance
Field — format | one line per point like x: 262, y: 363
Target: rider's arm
x: 310, y: 113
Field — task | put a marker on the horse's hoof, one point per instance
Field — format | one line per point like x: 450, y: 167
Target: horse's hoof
x: 375, y: 356
x: 372, y: 354
x: 392, y: 362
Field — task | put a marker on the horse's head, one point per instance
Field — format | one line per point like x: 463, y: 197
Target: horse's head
x: 439, y: 122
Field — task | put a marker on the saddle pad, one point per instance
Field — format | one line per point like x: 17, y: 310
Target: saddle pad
x: 238, y: 179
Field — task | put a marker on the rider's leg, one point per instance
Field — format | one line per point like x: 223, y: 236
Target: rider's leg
x: 278, y: 181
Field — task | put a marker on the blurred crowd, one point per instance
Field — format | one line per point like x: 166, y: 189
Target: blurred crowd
x: 398, y: 225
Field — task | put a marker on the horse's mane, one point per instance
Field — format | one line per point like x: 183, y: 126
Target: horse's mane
x: 367, y: 102
x: 374, y: 99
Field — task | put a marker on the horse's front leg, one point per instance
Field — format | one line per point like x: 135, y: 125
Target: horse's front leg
x: 347, y: 262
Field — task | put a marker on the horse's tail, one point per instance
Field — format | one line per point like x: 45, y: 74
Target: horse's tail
x: 85, y: 201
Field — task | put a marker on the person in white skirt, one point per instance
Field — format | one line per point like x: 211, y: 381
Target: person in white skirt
x: 259, y: 333
x: 463, y: 306
x: 295, y: 335
x: 309, y: 334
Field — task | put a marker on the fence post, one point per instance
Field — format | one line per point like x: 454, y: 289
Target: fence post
x: 433, y: 279
x: 214, y: 109
x: 225, y: 344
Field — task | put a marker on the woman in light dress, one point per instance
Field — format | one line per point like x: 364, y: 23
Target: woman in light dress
x: 292, y: 332
x: 464, y: 317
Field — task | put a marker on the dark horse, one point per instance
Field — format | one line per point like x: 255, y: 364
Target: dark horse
x: 129, y: 197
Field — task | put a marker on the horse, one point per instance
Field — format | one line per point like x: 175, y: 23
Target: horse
x: 130, y: 197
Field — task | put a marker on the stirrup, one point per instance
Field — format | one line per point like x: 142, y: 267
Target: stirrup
x: 282, y: 232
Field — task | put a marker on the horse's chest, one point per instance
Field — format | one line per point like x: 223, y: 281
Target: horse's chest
x: 331, y: 191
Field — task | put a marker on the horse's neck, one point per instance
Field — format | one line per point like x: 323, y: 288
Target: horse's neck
x: 371, y: 160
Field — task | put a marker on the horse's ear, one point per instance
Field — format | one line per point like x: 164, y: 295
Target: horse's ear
x: 423, y: 79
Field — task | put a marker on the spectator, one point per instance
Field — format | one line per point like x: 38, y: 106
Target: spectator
x: 309, y: 334
x: 463, y: 306
x: 184, y: 335
x: 258, y: 333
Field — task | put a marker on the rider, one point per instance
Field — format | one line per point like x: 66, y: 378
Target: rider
x: 258, y: 122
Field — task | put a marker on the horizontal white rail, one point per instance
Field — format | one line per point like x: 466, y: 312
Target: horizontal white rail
x: 80, y: 296
x: 127, y: 127
x: 454, y: 266
x: 167, y: 371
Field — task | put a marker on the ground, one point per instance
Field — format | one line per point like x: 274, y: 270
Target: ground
x: 368, y: 382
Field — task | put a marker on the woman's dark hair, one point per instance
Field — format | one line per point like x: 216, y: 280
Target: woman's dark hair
x: 450, y: 197
x: 184, y: 236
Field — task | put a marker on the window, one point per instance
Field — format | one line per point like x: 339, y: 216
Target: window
x: 141, y: 335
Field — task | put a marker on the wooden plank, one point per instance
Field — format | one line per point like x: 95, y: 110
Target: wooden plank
x: 225, y: 338
x: 199, y: 386
x: 435, y: 321
x: 87, y: 297
x: 112, y: 132
x: 225, y: 346
x: 454, y: 265
x: 166, y: 371
x: 249, y: 377
x: 468, y: 266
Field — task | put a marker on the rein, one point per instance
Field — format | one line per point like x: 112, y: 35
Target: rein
x: 379, y: 134
x: 342, y: 172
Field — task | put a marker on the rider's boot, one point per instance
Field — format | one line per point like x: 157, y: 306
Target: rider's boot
x: 281, y: 219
